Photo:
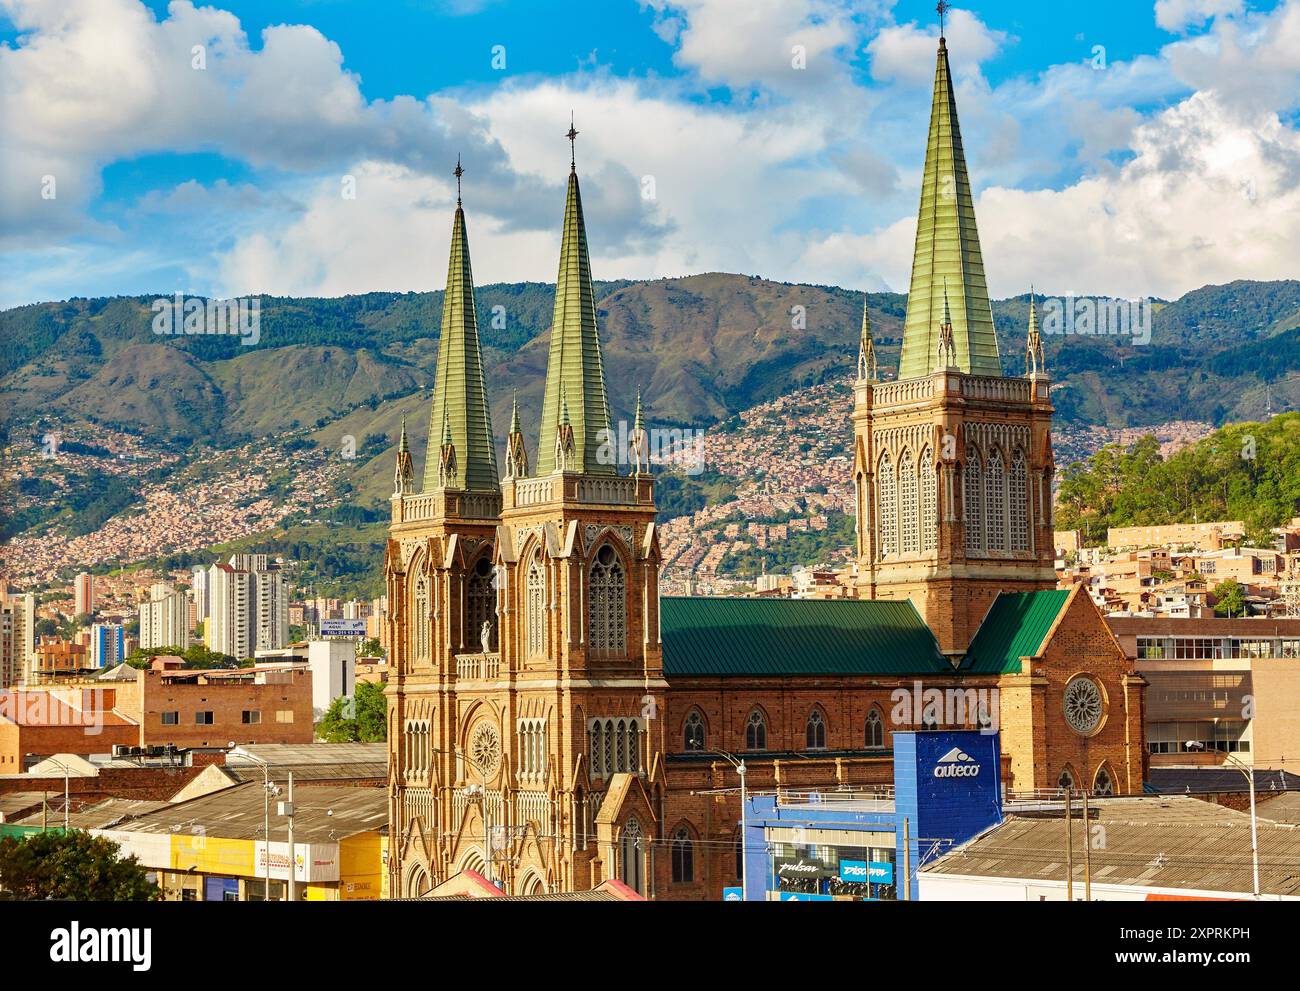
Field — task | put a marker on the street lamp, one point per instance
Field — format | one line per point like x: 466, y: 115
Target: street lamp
x: 739, y: 764
x: 1241, y: 766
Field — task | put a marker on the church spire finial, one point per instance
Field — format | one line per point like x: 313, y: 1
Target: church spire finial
x: 942, y: 9
x: 867, y: 367
x: 458, y: 172
x: 1035, y: 360
x: 572, y: 135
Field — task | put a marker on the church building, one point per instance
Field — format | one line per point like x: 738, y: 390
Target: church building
x: 555, y: 723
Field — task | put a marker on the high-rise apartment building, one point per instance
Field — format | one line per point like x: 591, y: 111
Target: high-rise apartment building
x: 248, y: 606
x: 200, y: 594
x: 17, y: 637
x: 165, y: 619
x: 83, y: 594
x: 107, y: 645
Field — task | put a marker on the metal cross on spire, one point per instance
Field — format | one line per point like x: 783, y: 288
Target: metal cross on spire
x: 573, y: 137
x: 458, y: 172
x: 942, y: 8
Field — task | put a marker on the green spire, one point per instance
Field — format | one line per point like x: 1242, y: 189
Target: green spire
x: 514, y: 415
x: 947, y: 246
x: 574, y: 366
x: 460, y: 405
x: 402, y: 447
x: 868, y: 370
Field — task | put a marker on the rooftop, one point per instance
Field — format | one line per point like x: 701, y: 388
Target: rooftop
x: 705, y: 636
x: 1157, y: 842
x: 322, y: 814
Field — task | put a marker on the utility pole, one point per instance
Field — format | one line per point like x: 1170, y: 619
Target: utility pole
x: 1069, y: 846
x: 293, y: 861
x: 1087, y: 855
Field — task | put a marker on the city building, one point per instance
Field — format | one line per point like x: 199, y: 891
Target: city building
x: 17, y: 637
x: 542, y: 694
x: 215, y: 847
x: 1154, y: 849
x: 107, y: 645
x: 199, y: 589
x: 1217, y: 686
x: 83, y: 594
x: 332, y: 662
x: 165, y: 619
x: 163, y: 705
x: 248, y: 606
x: 1212, y: 536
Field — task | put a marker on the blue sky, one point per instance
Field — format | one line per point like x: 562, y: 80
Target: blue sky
x: 1123, y: 147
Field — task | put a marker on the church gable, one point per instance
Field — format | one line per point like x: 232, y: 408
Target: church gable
x: 1017, y: 625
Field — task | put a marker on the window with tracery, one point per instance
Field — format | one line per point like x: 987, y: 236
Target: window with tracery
x: 535, y: 609
x: 631, y: 872
x: 1103, y: 785
x: 683, y: 857
x: 929, y: 512
x: 973, y: 500
x: 693, y: 732
x: 756, y: 732
x: 615, y: 746
x: 481, y: 606
x: 887, y: 505
x: 995, y: 504
x: 420, y: 619
x: 1018, y: 504
x: 908, y: 531
x: 607, y: 612
x: 875, y: 734
x: 816, y: 735
x: 532, y: 749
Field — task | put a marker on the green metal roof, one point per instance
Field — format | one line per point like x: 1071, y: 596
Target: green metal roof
x: 775, y: 637
x: 1014, y: 628
x: 460, y: 404
x: 947, y: 252
x: 574, y: 375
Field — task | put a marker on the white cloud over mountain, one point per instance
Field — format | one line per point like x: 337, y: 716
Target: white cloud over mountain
x: 1147, y: 176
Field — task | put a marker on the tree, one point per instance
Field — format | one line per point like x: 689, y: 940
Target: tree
x: 74, y: 866
x: 359, y: 718
x: 1230, y: 598
x: 370, y: 648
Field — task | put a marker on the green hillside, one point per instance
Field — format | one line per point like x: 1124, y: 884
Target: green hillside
x: 1246, y: 471
x: 701, y: 349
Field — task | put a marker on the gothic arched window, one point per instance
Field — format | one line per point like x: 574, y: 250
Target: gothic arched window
x: 630, y: 872
x: 756, y: 732
x: 1018, y: 502
x: 908, y: 533
x: 995, y: 504
x: 929, y: 513
x: 420, y: 619
x: 816, y: 735
x: 693, y: 732
x: 1102, y: 784
x: 481, y: 606
x: 886, y: 506
x: 607, y: 612
x: 875, y: 735
x: 1066, y: 781
x: 535, y: 609
x: 972, y: 500
x: 683, y: 856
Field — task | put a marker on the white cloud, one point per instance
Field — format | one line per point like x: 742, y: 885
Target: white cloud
x: 906, y: 52
x: 1174, y: 15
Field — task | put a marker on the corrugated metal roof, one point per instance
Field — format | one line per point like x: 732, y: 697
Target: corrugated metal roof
x: 1151, y: 842
x: 775, y: 637
x: 1014, y: 628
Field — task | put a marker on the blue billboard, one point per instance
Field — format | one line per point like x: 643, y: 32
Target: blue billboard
x: 948, y: 786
